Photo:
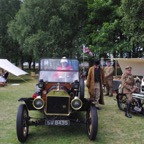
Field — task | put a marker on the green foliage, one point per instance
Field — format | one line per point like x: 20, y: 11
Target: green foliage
x: 133, y: 21
x: 54, y: 28
x: 104, y: 26
x: 50, y: 27
x: 8, y: 48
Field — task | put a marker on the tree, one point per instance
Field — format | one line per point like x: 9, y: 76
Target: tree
x: 103, y: 31
x: 8, y: 48
x: 49, y: 28
x: 133, y: 24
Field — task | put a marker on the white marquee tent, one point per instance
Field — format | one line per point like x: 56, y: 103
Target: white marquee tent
x: 137, y: 65
x: 7, y: 65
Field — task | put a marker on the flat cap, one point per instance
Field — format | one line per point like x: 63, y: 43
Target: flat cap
x: 128, y: 67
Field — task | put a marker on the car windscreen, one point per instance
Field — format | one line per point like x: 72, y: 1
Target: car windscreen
x: 54, y: 64
x: 59, y: 76
x: 52, y: 70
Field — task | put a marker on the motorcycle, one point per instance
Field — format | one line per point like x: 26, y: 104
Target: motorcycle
x: 137, y: 104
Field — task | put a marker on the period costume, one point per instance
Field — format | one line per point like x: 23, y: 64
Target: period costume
x: 128, y: 86
x: 108, y: 72
x: 95, y: 80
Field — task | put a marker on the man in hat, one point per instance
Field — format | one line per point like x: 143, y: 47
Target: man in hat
x: 108, y: 72
x: 64, y: 64
x: 95, y: 80
x: 60, y: 73
x: 128, y: 85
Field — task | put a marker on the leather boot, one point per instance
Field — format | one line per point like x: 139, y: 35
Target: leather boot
x: 127, y: 114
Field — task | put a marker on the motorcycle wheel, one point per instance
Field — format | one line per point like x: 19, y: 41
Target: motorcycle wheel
x: 135, y: 103
x: 142, y: 111
x: 121, y: 101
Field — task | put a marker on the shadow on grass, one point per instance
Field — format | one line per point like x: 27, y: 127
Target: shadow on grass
x: 137, y: 114
x: 20, y: 79
x: 59, y: 132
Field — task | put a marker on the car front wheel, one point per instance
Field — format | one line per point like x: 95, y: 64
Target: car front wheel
x: 82, y: 88
x: 22, y: 126
x: 92, y: 122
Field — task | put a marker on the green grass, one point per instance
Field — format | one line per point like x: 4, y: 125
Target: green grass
x: 114, y: 127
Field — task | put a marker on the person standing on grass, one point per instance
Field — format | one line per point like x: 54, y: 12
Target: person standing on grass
x: 108, y: 72
x: 128, y: 86
x: 94, y: 83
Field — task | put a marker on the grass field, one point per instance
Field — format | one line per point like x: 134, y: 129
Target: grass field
x: 114, y: 127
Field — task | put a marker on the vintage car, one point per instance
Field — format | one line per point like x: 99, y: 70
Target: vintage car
x: 59, y: 94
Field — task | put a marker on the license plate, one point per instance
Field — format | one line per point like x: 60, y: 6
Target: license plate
x: 57, y: 122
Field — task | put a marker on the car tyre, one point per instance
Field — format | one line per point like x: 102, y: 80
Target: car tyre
x: 92, y: 122
x: 22, y: 126
x: 82, y: 88
x: 121, y: 101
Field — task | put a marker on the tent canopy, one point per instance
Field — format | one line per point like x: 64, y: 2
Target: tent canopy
x: 137, y: 65
x: 7, y: 65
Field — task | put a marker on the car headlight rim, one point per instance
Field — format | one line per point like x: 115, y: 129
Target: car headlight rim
x: 74, y: 101
x: 36, y: 106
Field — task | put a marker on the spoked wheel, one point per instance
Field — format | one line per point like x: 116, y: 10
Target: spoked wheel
x: 92, y: 122
x: 135, y: 105
x: 22, y: 126
x: 121, y: 101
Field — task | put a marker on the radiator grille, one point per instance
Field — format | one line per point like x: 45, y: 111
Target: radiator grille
x: 57, y: 105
